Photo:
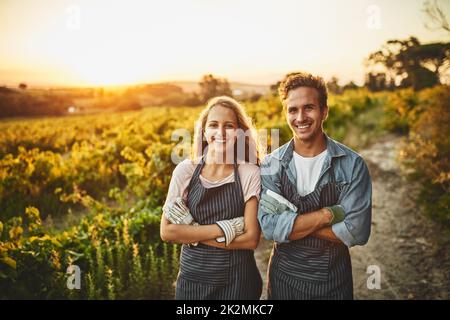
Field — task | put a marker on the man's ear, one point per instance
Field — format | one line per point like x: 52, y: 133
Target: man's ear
x: 325, y: 113
x: 285, y: 112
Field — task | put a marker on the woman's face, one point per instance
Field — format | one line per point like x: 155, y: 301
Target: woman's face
x: 220, y: 129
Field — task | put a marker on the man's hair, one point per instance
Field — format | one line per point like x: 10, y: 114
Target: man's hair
x: 296, y: 80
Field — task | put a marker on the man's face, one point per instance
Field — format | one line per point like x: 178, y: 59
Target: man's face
x: 303, y: 113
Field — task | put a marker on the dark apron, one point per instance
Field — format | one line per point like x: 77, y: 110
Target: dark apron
x: 213, y: 273
x: 310, y: 268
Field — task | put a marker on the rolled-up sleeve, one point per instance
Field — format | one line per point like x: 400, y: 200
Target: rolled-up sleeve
x: 356, y: 199
x: 275, y: 227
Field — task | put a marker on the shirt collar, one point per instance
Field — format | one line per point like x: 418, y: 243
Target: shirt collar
x: 333, y: 150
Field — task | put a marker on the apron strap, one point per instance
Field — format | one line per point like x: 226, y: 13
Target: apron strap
x: 196, y: 173
x: 332, y: 174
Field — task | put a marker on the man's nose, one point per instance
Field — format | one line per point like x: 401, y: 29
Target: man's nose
x: 300, y: 116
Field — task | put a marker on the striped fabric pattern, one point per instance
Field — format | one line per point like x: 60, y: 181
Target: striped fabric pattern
x: 310, y: 268
x: 214, y: 273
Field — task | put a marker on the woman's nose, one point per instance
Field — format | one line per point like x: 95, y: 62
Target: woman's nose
x: 222, y: 131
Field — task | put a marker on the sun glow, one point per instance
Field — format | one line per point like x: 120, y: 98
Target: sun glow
x: 113, y: 42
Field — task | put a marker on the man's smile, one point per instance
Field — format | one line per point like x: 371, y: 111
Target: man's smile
x: 303, y: 127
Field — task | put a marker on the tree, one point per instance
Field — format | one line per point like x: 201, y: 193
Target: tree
x: 349, y: 86
x: 333, y: 85
x: 274, y: 88
x: 23, y: 86
x: 408, y: 63
x: 376, y: 81
x: 211, y: 86
x: 436, y: 16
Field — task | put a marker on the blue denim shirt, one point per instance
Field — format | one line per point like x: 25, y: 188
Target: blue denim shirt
x: 356, y: 197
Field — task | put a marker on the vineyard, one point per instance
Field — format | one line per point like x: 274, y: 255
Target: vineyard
x: 88, y: 190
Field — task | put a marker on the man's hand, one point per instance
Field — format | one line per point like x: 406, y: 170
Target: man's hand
x: 337, y: 212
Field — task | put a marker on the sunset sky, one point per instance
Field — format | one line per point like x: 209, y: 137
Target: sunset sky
x: 90, y: 42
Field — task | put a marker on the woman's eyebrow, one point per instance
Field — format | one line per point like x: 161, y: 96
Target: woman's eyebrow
x: 228, y: 121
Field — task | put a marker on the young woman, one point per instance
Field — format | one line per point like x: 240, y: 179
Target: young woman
x: 211, y: 207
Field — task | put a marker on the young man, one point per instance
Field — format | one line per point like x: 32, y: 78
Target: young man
x: 322, y: 204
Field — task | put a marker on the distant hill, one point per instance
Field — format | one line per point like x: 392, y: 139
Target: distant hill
x: 187, y: 86
x: 58, y: 101
x: 192, y: 86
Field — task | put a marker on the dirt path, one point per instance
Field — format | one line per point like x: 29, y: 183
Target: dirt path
x: 409, y: 249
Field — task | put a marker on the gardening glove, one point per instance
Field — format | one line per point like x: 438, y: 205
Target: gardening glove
x: 274, y: 203
x: 337, y: 212
x: 231, y: 229
x: 178, y: 213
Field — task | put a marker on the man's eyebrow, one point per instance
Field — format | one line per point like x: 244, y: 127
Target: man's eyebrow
x: 311, y: 104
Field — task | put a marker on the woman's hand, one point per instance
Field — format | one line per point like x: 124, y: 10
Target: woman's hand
x: 187, y: 234
x: 249, y: 239
x: 231, y: 228
x: 178, y: 213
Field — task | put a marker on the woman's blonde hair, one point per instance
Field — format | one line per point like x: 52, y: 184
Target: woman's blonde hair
x: 244, y: 122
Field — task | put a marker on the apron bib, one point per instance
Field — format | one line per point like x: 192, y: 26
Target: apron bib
x: 311, y: 268
x: 213, y: 273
